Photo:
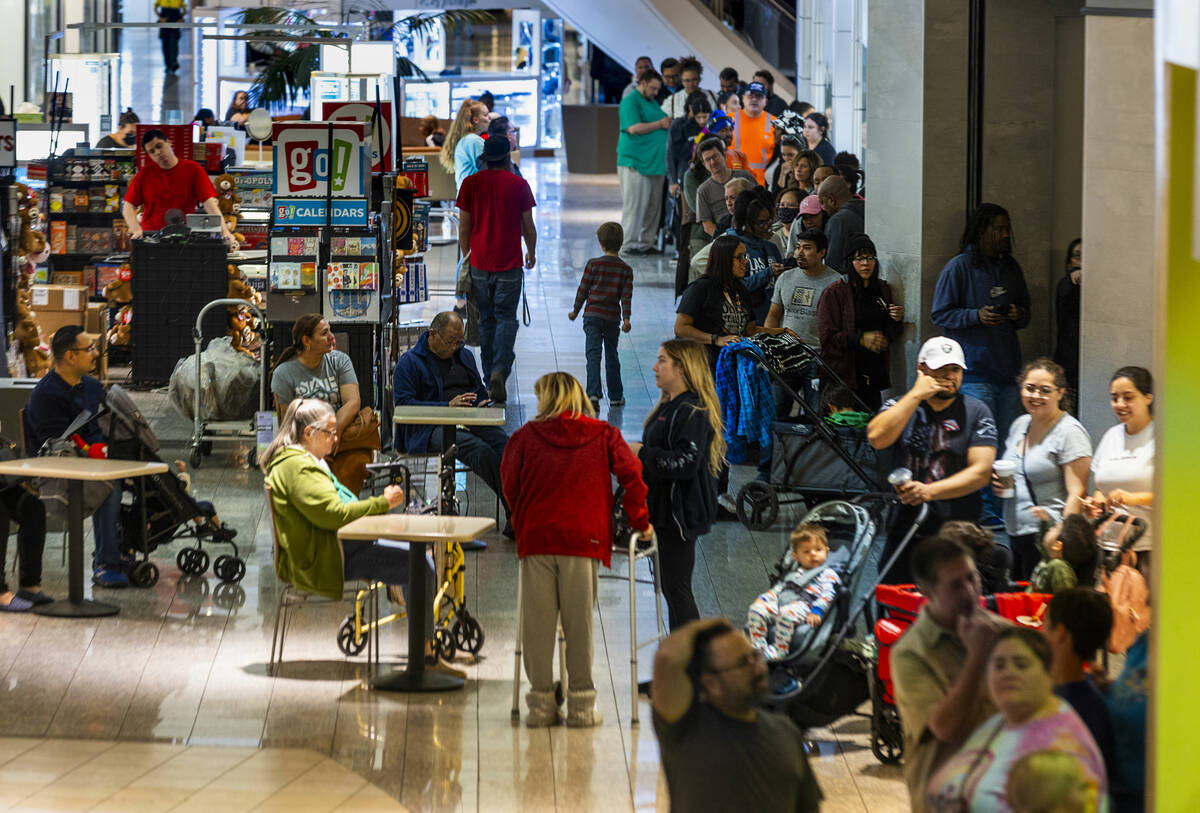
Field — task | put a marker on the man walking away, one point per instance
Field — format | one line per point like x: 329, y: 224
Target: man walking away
x: 170, y: 11
x: 496, y: 210
x: 642, y: 163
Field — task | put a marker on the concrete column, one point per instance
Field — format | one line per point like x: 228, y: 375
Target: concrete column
x: 1118, y: 207
x: 843, y: 70
x: 804, y: 49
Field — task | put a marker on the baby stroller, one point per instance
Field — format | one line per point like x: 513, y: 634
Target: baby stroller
x: 810, y: 458
x: 833, y: 664
x: 162, y: 510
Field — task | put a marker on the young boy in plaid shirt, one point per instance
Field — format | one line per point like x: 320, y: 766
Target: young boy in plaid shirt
x: 607, y: 287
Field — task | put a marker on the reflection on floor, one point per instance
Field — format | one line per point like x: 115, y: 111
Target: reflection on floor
x: 184, y: 662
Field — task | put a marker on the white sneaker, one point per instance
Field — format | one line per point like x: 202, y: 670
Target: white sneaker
x: 726, y: 502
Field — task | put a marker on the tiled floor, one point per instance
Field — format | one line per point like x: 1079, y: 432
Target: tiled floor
x: 183, y: 665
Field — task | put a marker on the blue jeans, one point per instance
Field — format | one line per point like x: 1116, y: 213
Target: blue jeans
x: 602, y: 334
x: 497, y: 295
x: 104, y: 530
x: 1004, y: 400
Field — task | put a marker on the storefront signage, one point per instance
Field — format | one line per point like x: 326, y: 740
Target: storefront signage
x: 8, y: 143
x: 363, y: 111
x: 305, y: 162
x: 310, y: 212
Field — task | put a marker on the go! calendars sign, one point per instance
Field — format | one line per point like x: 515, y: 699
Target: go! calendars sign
x: 307, y: 165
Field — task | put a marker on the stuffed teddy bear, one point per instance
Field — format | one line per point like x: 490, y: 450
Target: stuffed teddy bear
x: 120, y: 291
x: 240, y: 331
x: 227, y: 197
x: 231, y: 221
x: 120, y: 334
x: 27, y: 342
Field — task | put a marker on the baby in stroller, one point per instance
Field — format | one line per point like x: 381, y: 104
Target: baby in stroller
x: 802, y: 595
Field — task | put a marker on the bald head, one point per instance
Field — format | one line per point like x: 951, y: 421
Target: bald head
x: 446, y: 333
x: 833, y: 193
x: 443, y: 320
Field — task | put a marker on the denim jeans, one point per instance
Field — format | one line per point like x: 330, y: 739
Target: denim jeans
x: 602, y: 334
x: 497, y: 295
x: 106, y: 535
x: 1004, y: 400
x: 170, y: 47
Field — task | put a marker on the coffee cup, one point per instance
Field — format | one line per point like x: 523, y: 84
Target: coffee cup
x: 1004, y: 471
x: 899, y: 476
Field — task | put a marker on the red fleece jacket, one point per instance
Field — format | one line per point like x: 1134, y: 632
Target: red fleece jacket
x: 557, y: 477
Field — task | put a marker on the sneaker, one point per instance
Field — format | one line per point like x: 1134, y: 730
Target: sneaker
x: 616, y: 402
x: 442, y: 667
x: 112, y: 577
x: 16, y: 604
x: 496, y: 390
x: 725, y: 503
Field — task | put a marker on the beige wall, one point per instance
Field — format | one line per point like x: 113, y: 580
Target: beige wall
x: 1118, y: 207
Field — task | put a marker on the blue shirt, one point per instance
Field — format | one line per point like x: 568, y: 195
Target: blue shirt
x: 417, y: 381
x: 966, y: 284
x: 466, y: 158
x: 54, y: 404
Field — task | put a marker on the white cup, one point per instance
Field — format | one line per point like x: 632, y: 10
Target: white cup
x: 1004, y: 471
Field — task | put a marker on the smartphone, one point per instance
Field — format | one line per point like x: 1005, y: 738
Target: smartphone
x: 790, y: 262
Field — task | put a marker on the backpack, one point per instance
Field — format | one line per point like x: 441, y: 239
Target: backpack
x: 1126, y: 588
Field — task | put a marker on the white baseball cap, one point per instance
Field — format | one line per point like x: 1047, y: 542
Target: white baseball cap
x: 940, y: 351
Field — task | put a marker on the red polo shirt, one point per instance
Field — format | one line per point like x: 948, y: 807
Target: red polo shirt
x: 184, y: 187
x: 495, y: 199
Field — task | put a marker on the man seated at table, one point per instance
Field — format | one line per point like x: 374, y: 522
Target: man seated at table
x: 64, y: 392
x: 440, y: 371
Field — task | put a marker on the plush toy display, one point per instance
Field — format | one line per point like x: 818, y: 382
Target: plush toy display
x: 120, y: 334
x: 231, y: 222
x: 120, y: 291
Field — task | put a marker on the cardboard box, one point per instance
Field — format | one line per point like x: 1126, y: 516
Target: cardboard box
x: 58, y: 305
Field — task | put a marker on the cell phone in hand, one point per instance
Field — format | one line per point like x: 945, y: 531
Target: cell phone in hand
x: 790, y: 262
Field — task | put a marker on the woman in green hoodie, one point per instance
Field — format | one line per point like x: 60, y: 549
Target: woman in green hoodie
x: 310, y: 505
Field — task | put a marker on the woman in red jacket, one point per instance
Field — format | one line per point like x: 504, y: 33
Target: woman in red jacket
x: 857, y: 321
x: 557, y: 473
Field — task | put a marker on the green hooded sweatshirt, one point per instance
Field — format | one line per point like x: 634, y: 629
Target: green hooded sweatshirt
x: 308, y: 512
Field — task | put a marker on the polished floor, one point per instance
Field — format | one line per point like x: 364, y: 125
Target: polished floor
x: 184, y: 664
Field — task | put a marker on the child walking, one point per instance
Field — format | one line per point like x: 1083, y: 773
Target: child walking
x: 802, y: 596
x: 607, y: 288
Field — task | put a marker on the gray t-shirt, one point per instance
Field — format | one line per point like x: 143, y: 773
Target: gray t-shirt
x: 710, y: 197
x: 714, y: 762
x: 799, y: 294
x: 1042, y: 467
x: 293, y: 380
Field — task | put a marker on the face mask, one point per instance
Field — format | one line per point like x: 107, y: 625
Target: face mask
x: 786, y: 214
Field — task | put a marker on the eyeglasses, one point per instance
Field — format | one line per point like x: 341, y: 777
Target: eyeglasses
x: 863, y: 259
x: 333, y: 433
x: 749, y: 659
x: 739, y: 257
x: 1032, y: 389
x: 89, y: 349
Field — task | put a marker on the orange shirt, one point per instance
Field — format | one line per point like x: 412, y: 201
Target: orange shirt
x: 756, y: 138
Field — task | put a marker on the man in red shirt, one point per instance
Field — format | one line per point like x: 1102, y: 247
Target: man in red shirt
x: 165, y: 183
x: 496, y: 211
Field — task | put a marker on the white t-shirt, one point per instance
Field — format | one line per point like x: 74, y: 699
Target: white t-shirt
x: 1126, y: 461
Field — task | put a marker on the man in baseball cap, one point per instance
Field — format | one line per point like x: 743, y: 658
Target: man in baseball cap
x: 752, y: 131
x: 946, y: 440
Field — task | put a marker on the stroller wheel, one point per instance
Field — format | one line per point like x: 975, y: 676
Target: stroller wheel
x: 887, y: 735
x: 229, y: 596
x: 468, y: 635
x: 145, y: 574
x: 345, y: 638
x: 195, y: 457
x: 193, y: 561
x: 252, y: 458
x: 443, y: 644
x: 757, y: 505
x: 886, y: 752
x: 229, y: 568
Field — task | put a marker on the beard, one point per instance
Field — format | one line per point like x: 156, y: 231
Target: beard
x: 945, y: 395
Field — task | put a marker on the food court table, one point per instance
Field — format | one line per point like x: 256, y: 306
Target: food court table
x: 417, y: 530
x: 77, y: 470
x: 449, y: 418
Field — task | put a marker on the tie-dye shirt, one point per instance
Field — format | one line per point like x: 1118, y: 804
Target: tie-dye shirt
x: 978, y: 773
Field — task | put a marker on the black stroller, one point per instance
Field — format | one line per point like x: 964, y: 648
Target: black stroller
x: 810, y: 458
x: 162, y: 510
x: 833, y: 665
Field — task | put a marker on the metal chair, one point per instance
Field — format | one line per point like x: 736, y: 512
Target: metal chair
x: 365, y: 596
x: 635, y: 550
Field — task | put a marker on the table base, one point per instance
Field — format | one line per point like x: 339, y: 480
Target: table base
x: 416, y: 682
x: 86, y: 608
x: 473, y: 544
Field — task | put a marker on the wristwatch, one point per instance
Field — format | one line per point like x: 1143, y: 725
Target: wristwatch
x: 712, y: 339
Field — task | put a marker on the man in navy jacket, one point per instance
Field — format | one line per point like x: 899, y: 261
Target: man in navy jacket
x: 440, y: 371
x: 981, y: 301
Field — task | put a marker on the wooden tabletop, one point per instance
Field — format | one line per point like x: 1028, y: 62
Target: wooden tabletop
x: 79, y: 468
x: 422, y: 528
x: 448, y: 415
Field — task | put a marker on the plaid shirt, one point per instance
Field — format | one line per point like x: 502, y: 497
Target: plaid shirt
x: 607, y: 286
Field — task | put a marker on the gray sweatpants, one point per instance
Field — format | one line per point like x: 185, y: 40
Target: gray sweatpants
x: 550, y: 586
x: 641, y: 205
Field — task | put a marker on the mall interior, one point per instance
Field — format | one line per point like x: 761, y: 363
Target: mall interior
x: 1081, y: 118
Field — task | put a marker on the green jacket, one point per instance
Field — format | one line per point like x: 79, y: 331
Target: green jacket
x: 308, y: 512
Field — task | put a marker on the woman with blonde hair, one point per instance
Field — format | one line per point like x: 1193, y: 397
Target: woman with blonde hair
x: 463, y: 146
x: 682, y: 453
x: 557, y: 472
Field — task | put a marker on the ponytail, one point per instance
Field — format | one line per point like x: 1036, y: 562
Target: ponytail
x: 304, y: 326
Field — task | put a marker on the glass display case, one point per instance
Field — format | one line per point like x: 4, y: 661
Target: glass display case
x: 517, y: 96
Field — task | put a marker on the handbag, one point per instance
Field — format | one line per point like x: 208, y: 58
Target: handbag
x: 9, y: 451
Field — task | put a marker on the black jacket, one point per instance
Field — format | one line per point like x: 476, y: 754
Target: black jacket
x: 675, y: 468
